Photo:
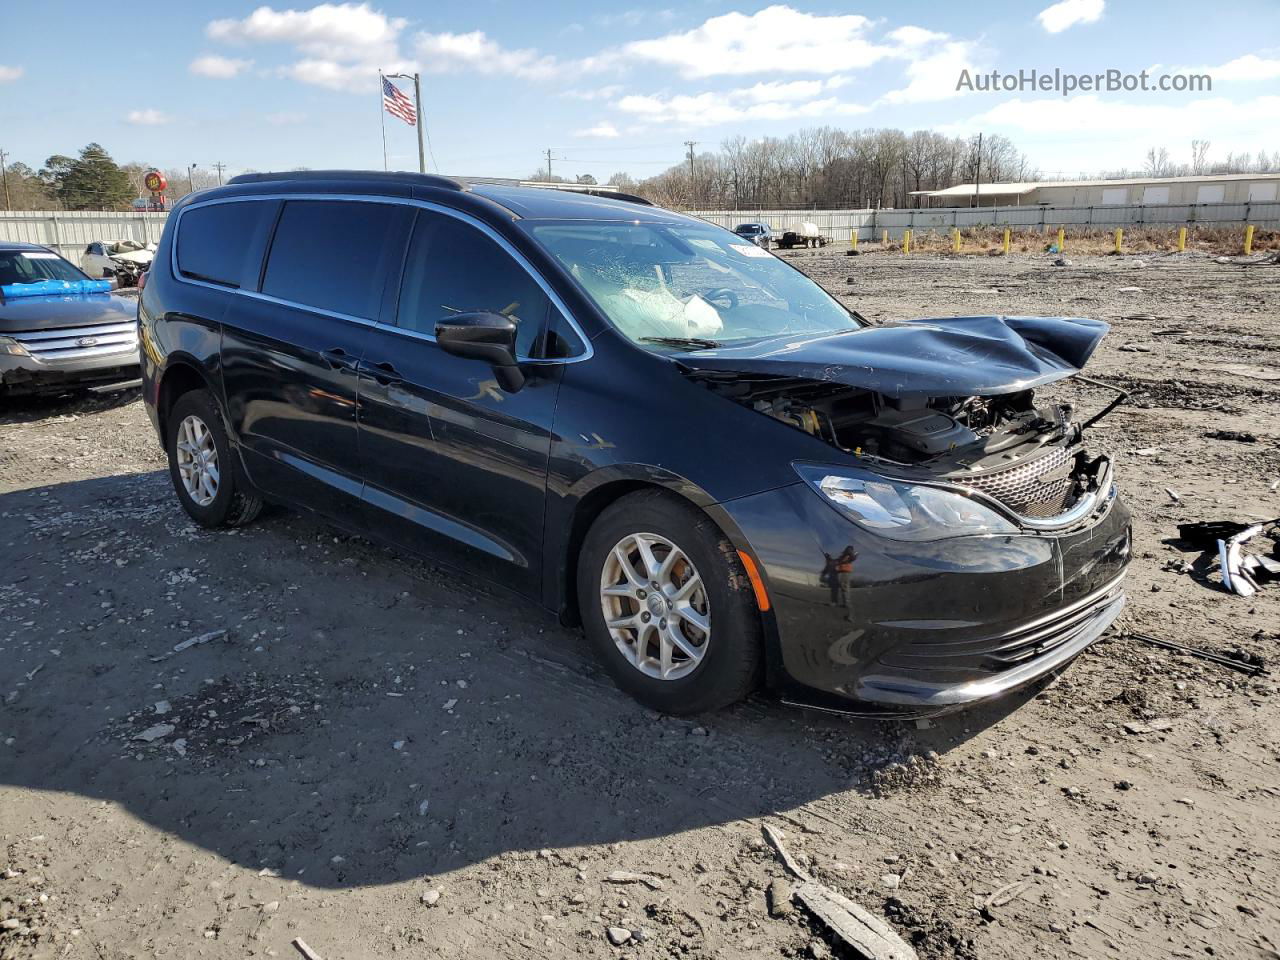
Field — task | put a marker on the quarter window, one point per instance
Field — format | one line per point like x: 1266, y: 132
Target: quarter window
x: 333, y: 255
x: 454, y: 268
x: 222, y: 242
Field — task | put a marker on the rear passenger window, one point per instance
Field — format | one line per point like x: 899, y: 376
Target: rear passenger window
x: 334, y: 254
x: 454, y: 268
x: 222, y: 243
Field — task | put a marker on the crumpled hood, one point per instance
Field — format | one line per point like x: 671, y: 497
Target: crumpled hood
x: 944, y: 357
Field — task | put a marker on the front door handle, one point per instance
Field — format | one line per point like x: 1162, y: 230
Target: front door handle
x: 339, y: 359
x: 385, y: 373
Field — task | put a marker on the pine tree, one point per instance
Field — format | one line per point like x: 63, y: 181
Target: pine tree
x: 91, y: 181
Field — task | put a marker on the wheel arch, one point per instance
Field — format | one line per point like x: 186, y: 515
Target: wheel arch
x: 607, y: 490
x: 182, y: 374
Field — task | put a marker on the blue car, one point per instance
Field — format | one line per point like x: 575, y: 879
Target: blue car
x: 59, y: 330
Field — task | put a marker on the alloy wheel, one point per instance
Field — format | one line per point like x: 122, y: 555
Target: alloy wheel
x: 655, y: 606
x: 197, y: 461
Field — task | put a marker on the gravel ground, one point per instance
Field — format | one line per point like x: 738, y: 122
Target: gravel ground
x: 374, y: 755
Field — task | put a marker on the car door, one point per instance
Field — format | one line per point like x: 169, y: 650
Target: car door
x: 454, y: 466
x: 290, y: 349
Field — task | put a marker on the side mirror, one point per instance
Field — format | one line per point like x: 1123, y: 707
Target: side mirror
x: 489, y: 337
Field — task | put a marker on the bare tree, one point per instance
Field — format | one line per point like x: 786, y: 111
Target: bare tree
x: 1199, y: 156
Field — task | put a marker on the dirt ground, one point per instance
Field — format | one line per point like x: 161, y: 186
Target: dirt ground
x: 377, y: 756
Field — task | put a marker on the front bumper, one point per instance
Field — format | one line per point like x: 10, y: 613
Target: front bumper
x: 926, y: 627
x: 19, y: 374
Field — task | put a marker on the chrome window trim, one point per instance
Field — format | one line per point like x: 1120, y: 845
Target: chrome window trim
x: 588, y: 351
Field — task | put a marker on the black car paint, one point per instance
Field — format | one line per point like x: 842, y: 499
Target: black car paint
x: 524, y: 472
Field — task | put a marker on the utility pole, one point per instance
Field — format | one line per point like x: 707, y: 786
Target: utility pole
x: 548, y: 164
x: 191, y: 178
x: 4, y: 175
x: 977, y: 176
x: 417, y: 99
x: 219, y: 166
x: 692, y: 184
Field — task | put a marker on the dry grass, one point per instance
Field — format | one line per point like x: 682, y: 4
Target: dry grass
x: 1219, y: 241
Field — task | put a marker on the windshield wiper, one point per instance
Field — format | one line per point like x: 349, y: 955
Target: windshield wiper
x: 683, y: 342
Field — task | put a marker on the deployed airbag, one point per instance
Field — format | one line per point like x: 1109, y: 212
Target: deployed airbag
x: 945, y: 357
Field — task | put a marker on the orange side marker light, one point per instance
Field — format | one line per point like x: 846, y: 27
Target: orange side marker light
x: 762, y: 598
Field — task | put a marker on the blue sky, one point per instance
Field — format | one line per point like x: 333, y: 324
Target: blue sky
x: 612, y: 88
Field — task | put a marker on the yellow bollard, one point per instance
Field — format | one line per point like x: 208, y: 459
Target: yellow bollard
x: 1248, y: 240
x: 1182, y: 239
x: 955, y: 239
x: 1119, y: 238
x: 1062, y: 239
x: 1006, y: 240
x: 853, y: 239
x: 884, y: 241
x: 906, y: 241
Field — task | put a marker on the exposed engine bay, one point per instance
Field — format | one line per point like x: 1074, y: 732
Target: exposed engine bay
x: 1031, y: 458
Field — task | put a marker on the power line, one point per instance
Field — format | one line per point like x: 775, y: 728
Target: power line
x: 219, y: 166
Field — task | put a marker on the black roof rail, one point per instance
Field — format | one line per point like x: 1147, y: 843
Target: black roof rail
x: 371, y: 176
x: 612, y: 195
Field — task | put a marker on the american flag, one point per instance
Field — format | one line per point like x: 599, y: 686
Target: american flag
x: 397, y: 104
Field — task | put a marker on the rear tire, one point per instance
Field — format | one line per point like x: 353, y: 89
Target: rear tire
x: 706, y: 667
x: 201, y: 465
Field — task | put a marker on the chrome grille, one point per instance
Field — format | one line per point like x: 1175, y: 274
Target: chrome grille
x: 1024, y: 488
x: 77, y: 343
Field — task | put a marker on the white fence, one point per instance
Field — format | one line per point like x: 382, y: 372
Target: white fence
x: 871, y: 224
x: 69, y: 232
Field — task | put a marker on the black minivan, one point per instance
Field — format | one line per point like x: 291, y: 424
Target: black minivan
x: 644, y: 423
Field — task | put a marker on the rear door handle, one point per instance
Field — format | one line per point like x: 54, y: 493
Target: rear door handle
x: 385, y: 373
x: 339, y: 359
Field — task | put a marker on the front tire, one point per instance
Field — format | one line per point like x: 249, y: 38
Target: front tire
x: 667, y: 605
x: 201, y: 466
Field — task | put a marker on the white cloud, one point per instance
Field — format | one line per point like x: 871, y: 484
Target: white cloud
x: 341, y: 45
x: 9, y: 73
x: 329, y: 31
x: 911, y: 37
x: 1249, y: 68
x: 933, y: 76
x: 603, y: 130
x: 149, y: 117
x: 223, y: 68
x: 764, y: 101
x: 598, y: 93
x: 447, y: 52
x: 1067, y: 13
x: 777, y: 39
x: 1087, y: 133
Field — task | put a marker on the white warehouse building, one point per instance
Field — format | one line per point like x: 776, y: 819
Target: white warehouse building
x: 1238, y: 188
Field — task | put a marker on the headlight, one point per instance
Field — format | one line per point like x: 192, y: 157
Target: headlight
x: 12, y: 347
x: 901, y: 511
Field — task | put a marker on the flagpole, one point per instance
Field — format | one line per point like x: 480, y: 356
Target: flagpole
x: 417, y: 95
x: 382, y: 115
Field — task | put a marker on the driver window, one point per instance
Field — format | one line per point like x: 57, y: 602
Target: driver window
x: 454, y: 268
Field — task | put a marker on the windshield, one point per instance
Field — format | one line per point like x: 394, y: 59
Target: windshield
x: 663, y: 281
x: 31, y: 266
x: 745, y: 228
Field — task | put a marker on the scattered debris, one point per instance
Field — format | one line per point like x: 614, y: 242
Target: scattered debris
x: 431, y: 897
x: 780, y: 898
x: 196, y: 641
x: 1239, y: 436
x: 1245, y: 663
x: 306, y: 951
x: 155, y: 732
x: 1241, y: 571
x: 1155, y: 726
x: 1001, y: 896
x: 1173, y: 494
x: 626, y: 876
x: 862, y: 930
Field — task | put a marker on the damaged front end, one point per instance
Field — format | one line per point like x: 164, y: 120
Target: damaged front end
x: 986, y: 546
x: 939, y: 402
